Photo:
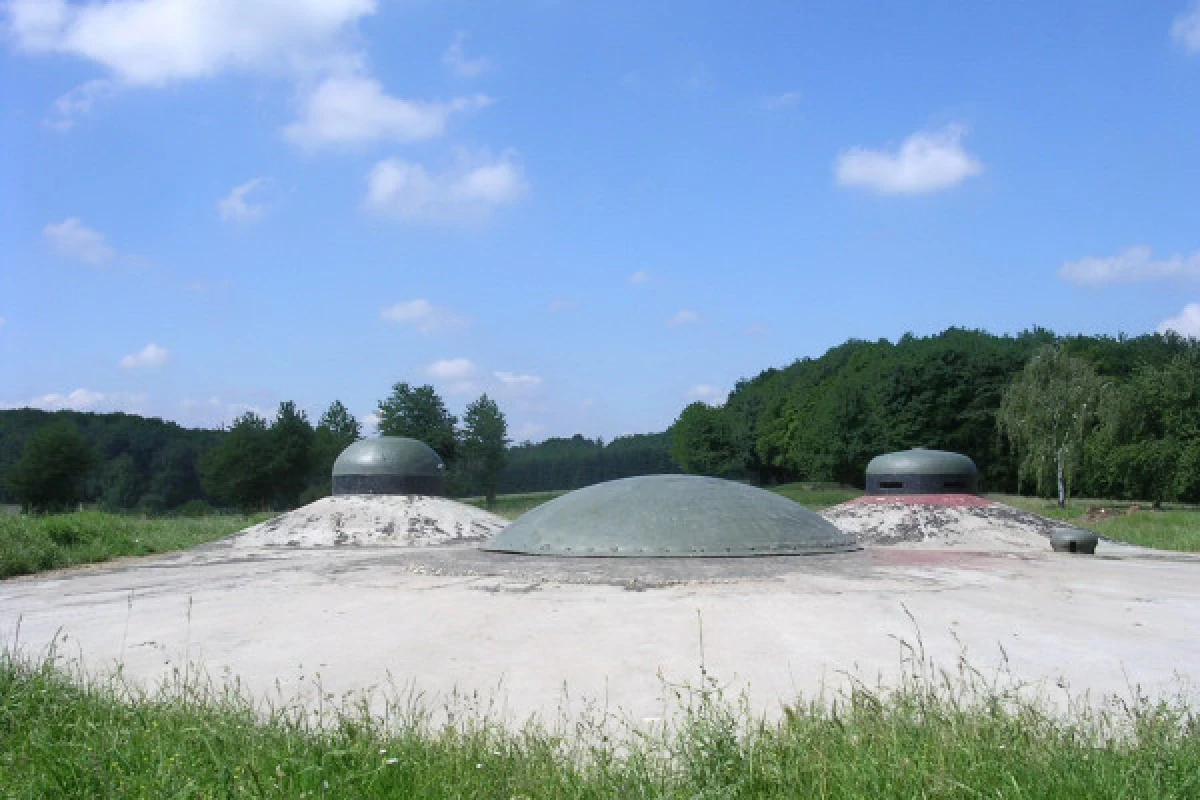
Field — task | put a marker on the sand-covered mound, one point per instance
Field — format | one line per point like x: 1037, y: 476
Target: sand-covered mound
x: 936, y: 521
x: 378, y: 520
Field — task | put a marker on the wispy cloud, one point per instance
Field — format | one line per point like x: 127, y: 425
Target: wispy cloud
x: 684, y: 316
x: 72, y: 239
x: 516, y: 379
x: 86, y: 400
x: 456, y: 60
x: 927, y: 161
x: 422, y: 315
x: 779, y: 102
x: 78, y: 102
x: 706, y: 393
x: 150, y: 356
x: 237, y: 205
x: 560, y: 304
x: 455, y: 375
x: 1135, y: 265
x: 639, y: 277
x: 1185, y: 323
x: 466, y: 193
x: 1186, y: 28
x: 356, y: 109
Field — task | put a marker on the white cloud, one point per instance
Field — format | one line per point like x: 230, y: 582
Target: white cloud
x: 1134, y: 265
x: 237, y: 207
x: 1185, y: 323
x: 561, y: 304
x: 455, y: 375
x: 148, y: 357
x: 926, y: 162
x: 78, y: 102
x: 451, y: 369
x: 639, y: 277
x: 72, y: 239
x: 155, y: 42
x: 356, y: 109
x: 684, y: 316
x: 370, y: 423
x: 88, y: 400
x: 457, y: 62
x: 779, y: 102
x: 527, y: 430
x: 1186, y: 28
x: 707, y: 394
x: 516, y: 379
x: 422, y: 315
x: 466, y: 193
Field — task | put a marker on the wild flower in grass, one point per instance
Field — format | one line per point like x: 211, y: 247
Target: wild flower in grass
x: 391, y: 761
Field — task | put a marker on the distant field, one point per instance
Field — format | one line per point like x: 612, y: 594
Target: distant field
x: 1174, y: 528
x: 31, y: 544
x: 816, y: 497
x: 511, y: 506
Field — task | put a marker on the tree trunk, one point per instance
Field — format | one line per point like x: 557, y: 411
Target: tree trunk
x: 1062, y: 483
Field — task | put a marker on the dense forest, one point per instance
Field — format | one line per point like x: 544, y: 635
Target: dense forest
x: 1134, y: 429
x: 823, y: 419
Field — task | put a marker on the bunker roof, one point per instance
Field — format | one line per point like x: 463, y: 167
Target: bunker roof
x: 389, y: 455
x: 671, y: 515
x: 919, y: 461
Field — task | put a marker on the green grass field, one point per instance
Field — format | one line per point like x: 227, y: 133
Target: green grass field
x: 1170, y: 529
x: 936, y: 736
x: 31, y: 544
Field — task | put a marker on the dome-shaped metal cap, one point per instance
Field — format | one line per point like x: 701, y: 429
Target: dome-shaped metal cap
x: 671, y: 515
x: 389, y: 465
x: 920, y: 471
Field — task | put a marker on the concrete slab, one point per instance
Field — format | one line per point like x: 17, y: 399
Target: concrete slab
x: 540, y: 635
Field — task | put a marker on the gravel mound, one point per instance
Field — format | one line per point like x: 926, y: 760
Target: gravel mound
x: 971, y: 526
x: 376, y: 520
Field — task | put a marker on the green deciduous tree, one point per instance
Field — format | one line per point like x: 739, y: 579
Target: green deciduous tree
x: 703, y: 442
x: 420, y: 414
x: 1046, y: 413
x: 238, y: 470
x: 291, y: 439
x: 50, y: 472
x: 336, y: 430
x: 485, y: 444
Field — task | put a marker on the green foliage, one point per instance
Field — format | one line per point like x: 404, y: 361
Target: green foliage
x: 30, y: 544
x: 336, y: 430
x: 238, y: 470
x: 420, y: 414
x: 485, y: 444
x: 1046, y: 412
x: 50, y: 472
x: 939, y: 735
x: 703, y: 442
x: 569, y: 463
x: 291, y: 441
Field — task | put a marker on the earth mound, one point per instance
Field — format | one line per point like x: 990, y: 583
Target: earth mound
x: 941, y: 522
x: 405, y: 520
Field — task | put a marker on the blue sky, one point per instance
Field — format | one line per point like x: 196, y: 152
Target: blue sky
x: 595, y: 212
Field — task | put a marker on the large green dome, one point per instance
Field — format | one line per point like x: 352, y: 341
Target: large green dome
x: 671, y: 515
x: 389, y: 465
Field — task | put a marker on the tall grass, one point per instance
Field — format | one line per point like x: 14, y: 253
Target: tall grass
x: 31, y: 544
x: 937, y: 735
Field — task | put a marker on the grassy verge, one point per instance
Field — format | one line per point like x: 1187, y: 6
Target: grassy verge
x: 511, y: 506
x: 816, y: 497
x: 933, y: 737
x: 31, y: 544
x: 1172, y: 529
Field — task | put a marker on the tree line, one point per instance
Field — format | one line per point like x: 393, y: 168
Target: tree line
x: 1100, y: 416
x: 1090, y: 415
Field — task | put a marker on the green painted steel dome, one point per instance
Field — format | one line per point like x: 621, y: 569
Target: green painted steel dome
x: 671, y: 515
x: 389, y: 465
x: 920, y: 471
